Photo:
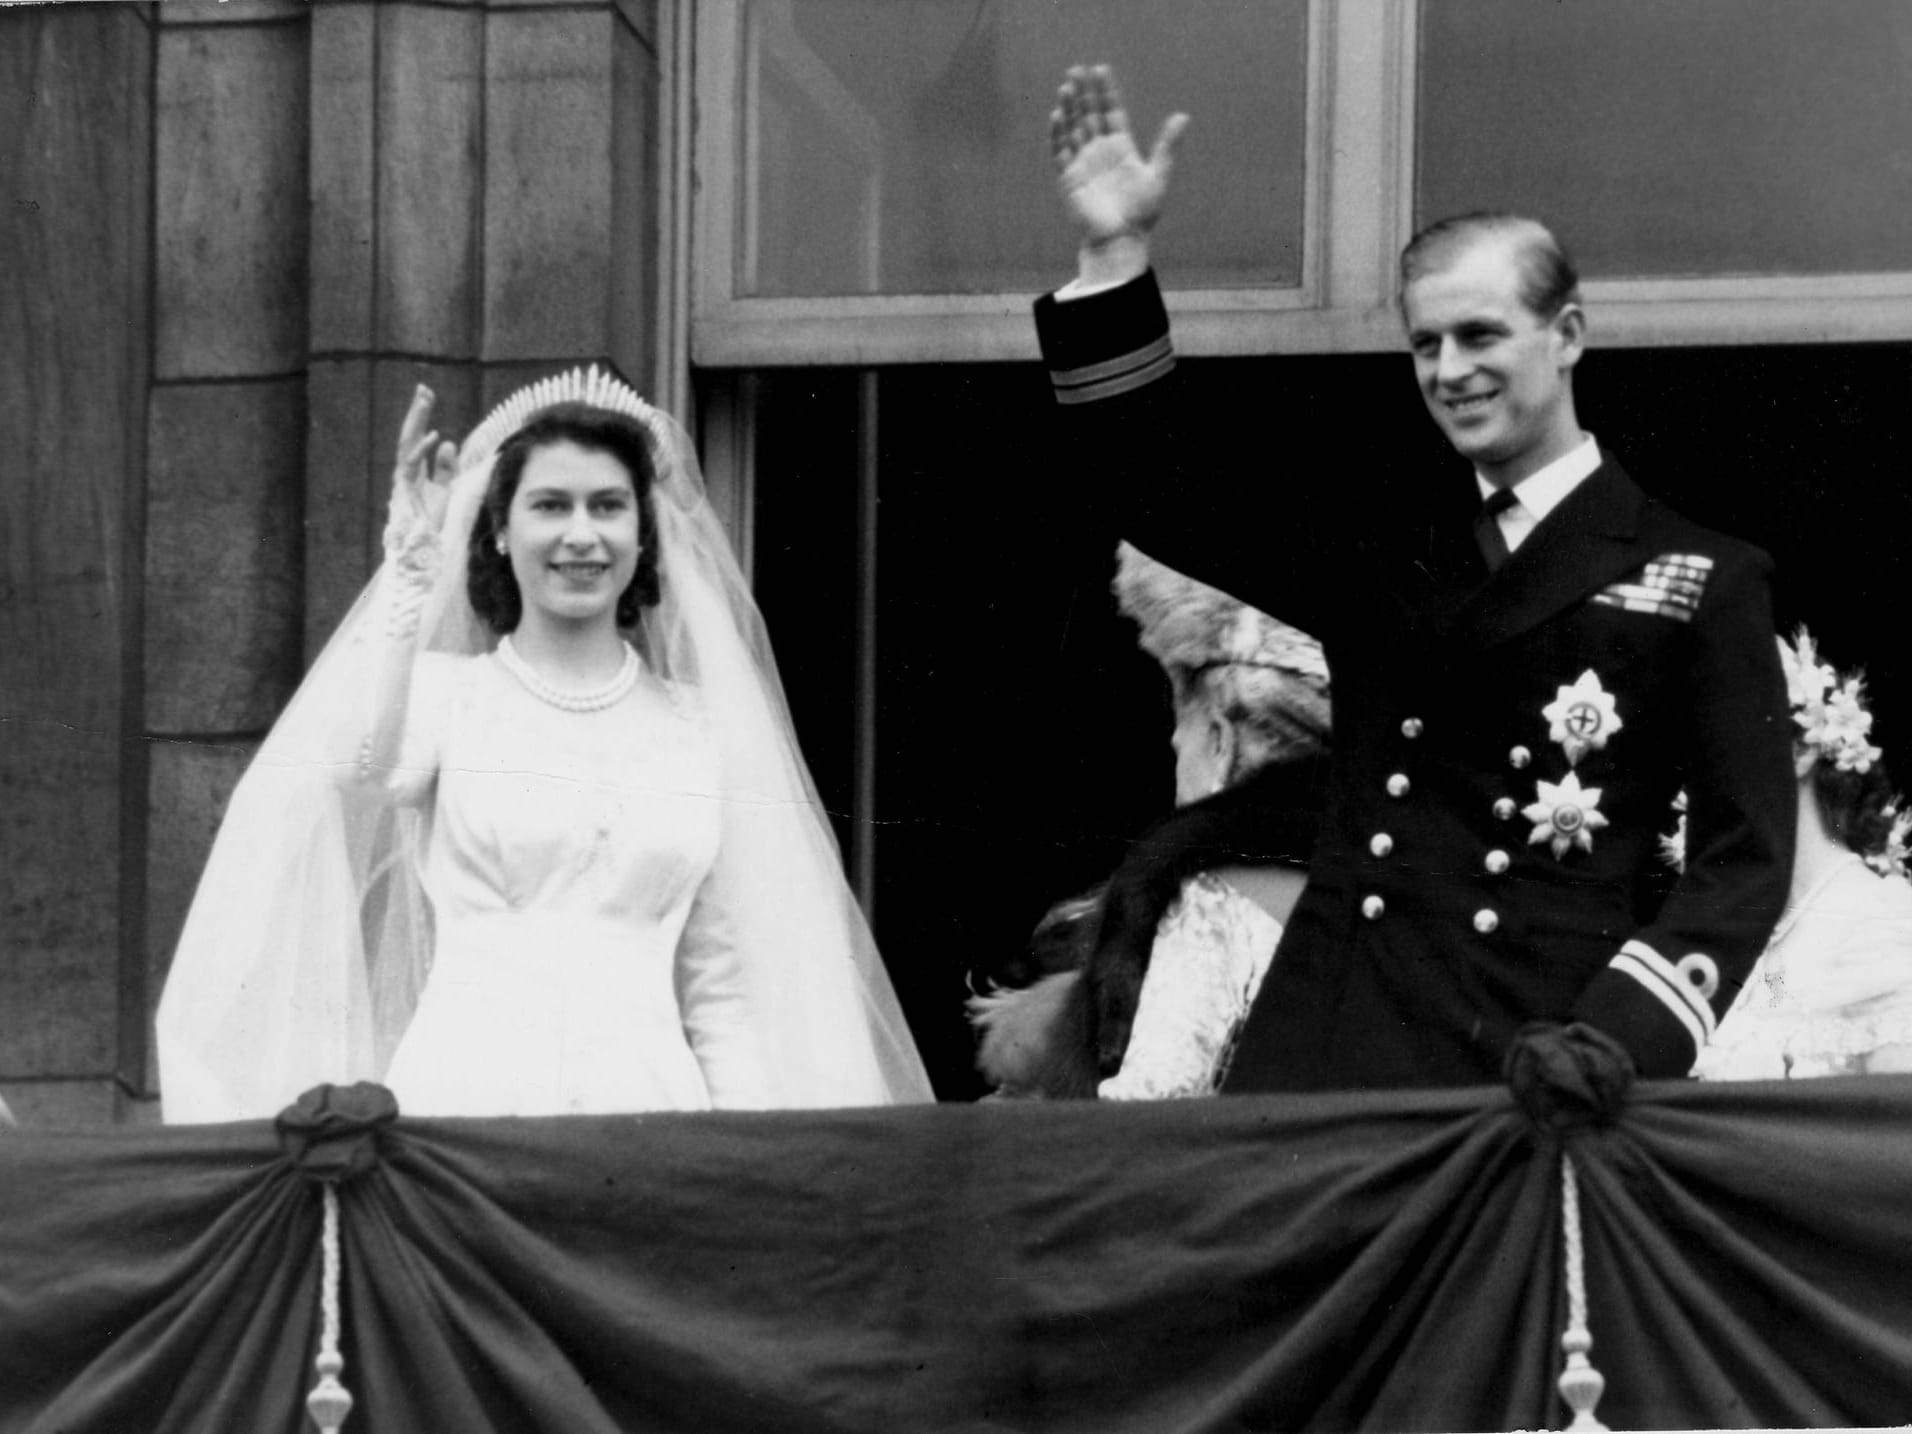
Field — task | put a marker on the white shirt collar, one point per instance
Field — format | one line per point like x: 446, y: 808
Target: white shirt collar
x: 1540, y: 493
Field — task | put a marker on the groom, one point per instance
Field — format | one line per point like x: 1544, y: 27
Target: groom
x: 1525, y: 673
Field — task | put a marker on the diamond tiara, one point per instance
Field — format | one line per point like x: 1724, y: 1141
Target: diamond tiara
x: 592, y: 387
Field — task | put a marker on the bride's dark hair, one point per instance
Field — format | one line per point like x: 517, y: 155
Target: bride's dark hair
x: 1856, y: 807
x: 489, y: 581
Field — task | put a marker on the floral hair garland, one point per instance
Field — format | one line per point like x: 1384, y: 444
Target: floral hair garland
x: 1835, y: 725
x: 1891, y: 859
x: 1830, y: 713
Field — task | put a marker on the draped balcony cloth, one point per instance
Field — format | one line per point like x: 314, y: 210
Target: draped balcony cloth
x: 1323, y: 1262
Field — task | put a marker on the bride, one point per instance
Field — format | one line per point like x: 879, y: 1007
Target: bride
x: 534, y: 836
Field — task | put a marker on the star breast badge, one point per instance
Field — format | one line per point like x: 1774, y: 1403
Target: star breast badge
x: 1582, y: 716
x: 1565, y: 816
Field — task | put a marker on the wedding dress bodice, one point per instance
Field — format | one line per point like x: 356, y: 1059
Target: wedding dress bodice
x: 573, y: 970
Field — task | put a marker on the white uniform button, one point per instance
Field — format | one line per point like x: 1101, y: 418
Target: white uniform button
x: 1486, y: 920
x: 1372, y: 907
x: 1412, y: 728
x: 1504, y: 809
x: 1519, y: 758
x: 1380, y: 843
x: 1397, y: 785
x: 1497, y: 862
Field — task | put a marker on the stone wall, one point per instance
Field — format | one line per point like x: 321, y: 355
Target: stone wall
x: 76, y: 117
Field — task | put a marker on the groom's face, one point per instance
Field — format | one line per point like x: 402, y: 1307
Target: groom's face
x: 1495, y: 375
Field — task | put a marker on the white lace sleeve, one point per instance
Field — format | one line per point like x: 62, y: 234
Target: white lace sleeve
x: 405, y: 688
x: 1211, y: 952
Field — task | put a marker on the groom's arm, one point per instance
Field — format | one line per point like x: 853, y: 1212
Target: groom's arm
x: 1134, y: 453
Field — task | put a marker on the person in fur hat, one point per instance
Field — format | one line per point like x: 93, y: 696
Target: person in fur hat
x: 1162, y: 961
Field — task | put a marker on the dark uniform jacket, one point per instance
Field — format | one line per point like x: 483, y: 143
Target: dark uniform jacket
x: 1507, y: 748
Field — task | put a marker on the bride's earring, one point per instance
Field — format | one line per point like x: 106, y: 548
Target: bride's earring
x: 501, y: 545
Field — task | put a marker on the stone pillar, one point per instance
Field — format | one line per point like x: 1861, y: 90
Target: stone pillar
x: 223, y: 559
x: 75, y: 110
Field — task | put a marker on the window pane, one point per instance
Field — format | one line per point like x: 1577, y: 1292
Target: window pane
x: 901, y: 146
x: 1705, y: 137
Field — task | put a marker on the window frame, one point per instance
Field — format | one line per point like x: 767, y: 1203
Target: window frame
x: 732, y: 331
x: 1362, y: 76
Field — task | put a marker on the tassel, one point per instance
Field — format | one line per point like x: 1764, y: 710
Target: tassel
x: 330, y: 1401
x: 1581, y: 1385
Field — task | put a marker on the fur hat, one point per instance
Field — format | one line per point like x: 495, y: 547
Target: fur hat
x: 1189, y: 627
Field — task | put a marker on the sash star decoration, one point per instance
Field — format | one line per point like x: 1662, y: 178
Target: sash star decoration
x: 1582, y: 717
x: 1565, y: 816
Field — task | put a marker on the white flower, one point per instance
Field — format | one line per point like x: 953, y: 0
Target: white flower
x: 1842, y: 731
x: 1891, y: 859
x: 1566, y: 815
x: 1806, y: 679
x: 1673, y: 844
x: 1582, y: 716
x: 1830, y: 714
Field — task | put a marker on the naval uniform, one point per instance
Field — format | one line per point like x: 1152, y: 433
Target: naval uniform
x: 1507, y: 748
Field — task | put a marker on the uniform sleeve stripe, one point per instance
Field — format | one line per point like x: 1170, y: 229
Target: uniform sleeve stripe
x: 1109, y: 368
x: 1121, y: 383
x: 1689, y: 993
x: 1665, y: 984
x: 1657, y: 989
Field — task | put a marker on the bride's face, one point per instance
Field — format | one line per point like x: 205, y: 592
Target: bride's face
x: 572, y: 533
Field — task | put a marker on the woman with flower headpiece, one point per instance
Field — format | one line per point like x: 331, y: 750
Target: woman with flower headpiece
x: 1832, y: 995
x: 534, y: 837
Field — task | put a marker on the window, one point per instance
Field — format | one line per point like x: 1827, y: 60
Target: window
x: 873, y: 185
x: 874, y: 180
x: 898, y: 148
x: 1705, y: 139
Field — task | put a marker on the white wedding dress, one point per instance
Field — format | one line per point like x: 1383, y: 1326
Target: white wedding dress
x: 579, y: 964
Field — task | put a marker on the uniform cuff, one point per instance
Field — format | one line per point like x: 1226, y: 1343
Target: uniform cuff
x: 1106, y: 343
x: 1660, y: 1010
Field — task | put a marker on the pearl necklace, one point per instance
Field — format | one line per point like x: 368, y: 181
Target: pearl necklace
x: 607, y: 696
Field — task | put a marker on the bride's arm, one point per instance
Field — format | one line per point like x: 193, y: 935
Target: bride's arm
x: 713, y: 996
x: 394, y: 751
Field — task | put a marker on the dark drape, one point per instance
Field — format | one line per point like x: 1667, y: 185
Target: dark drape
x: 1345, y: 1261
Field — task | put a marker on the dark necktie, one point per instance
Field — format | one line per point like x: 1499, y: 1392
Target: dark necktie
x: 1487, y: 533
